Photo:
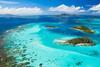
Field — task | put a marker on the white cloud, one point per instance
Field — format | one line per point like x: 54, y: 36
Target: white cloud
x: 8, y: 2
x: 21, y: 11
x: 95, y: 8
x: 66, y: 9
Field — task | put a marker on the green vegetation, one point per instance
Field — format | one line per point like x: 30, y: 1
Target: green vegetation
x: 83, y: 41
x: 84, y: 29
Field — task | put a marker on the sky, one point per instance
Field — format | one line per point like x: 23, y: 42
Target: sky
x: 38, y: 7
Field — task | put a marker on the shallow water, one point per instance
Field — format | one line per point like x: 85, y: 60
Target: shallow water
x: 33, y: 45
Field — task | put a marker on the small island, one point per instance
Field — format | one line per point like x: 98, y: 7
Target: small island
x: 82, y: 41
x: 51, y: 26
x: 84, y: 29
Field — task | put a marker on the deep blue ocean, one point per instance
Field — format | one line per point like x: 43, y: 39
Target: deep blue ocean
x: 11, y: 22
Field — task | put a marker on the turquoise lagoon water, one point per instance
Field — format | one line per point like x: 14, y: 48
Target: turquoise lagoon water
x: 33, y: 45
